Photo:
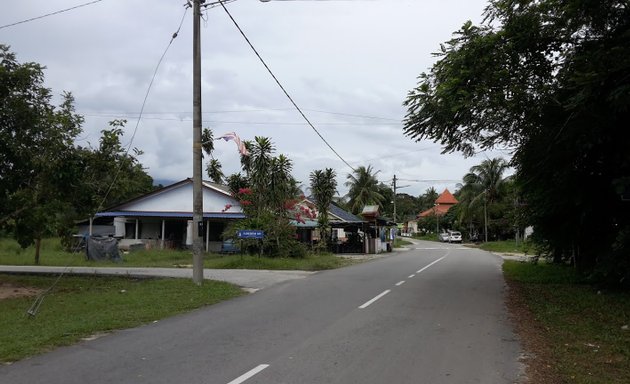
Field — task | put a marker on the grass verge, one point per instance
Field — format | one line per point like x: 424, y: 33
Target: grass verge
x: 80, y: 306
x: 507, y: 246
x: 52, y: 254
x: 576, y: 333
x: 400, y: 242
x: 427, y: 237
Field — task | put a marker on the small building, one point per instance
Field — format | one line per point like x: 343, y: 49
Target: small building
x: 347, y: 230
x: 381, y: 232
x: 163, y: 218
x: 443, y: 203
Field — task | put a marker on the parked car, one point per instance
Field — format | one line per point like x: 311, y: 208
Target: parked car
x: 454, y: 237
x: 229, y: 246
x: 443, y: 237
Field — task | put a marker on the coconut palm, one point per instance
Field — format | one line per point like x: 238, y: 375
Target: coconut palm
x: 483, y: 185
x: 364, y: 189
x: 214, y: 171
x: 213, y: 168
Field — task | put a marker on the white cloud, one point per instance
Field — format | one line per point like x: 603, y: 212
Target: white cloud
x: 349, y: 57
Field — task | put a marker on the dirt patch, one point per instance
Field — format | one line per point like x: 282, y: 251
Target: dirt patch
x: 11, y: 291
x: 538, y: 360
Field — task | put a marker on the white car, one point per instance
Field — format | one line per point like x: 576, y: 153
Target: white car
x: 454, y: 237
x: 444, y: 237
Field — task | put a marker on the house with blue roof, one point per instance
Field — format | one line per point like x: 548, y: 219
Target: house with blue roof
x: 163, y: 218
x: 348, y: 230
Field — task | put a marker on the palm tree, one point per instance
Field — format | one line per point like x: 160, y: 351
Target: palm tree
x: 258, y: 167
x: 213, y: 168
x: 323, y: 188
x: 364, y: 189
x: 483, y: 183
x: 214, y: 171
x: 427, y: 199
x: 280, y: 186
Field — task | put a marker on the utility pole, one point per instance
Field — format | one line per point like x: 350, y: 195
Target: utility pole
x: 396, y: 187
x: 395, y: 199
x: 197, y: 183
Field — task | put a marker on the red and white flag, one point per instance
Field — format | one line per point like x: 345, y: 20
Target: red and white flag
x: 233, y: 136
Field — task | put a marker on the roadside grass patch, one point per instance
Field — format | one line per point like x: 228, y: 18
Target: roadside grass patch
x: 52, y: 254
x: 400, y: 242
x: 314, y: 262
x: 584, y: 329
x: 82, y: 306
x: 427, y: 237
x: 507, y: 246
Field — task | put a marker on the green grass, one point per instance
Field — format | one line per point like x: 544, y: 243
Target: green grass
x: 507, y: 246
x: 582, y: 325
x: 315, y: 262
x: 82, y: 306
x: 52, y: 254
x: 401, y: 242
x: 427, y: 237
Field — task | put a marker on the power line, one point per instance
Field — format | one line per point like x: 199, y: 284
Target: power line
x: 260, y: 110
x: 282, y: 87
x: 398, y: 154
x: 32, y: 311
x: 430, y: 181
x: 50, y: 14
x: 232, y: 122
x: 144, y: 102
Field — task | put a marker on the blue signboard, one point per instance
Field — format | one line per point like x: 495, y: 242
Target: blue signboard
x: 250, y: 234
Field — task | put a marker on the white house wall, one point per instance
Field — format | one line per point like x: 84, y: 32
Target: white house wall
x: 180, y: 200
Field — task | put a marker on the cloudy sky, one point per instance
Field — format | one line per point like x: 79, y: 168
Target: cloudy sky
x: 348, y: 64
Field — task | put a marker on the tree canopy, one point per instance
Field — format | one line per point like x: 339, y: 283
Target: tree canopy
x: 549, y: 80
x: 46, y: 180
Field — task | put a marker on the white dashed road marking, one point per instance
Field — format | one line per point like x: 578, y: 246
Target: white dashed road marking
x: 249, y: 374
x: 440, y: 259
x: 367, y: 304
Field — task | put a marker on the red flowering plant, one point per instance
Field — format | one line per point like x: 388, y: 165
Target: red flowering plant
x: 245, y: 197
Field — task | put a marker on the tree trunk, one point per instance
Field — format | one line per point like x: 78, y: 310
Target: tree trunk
x: 38, y: 244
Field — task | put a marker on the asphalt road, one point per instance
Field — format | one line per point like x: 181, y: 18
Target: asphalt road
x: 433, y: 314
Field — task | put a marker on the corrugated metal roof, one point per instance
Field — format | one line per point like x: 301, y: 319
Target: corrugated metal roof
x: 344, y: 215
x: 206, y: 215
x: 339, y: 212
x: 305, y: 224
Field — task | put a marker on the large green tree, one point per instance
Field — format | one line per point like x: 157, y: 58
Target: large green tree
x: 265, y: 191
x: 36, y: 139
x: 548, y: 79
x: 46, y: 181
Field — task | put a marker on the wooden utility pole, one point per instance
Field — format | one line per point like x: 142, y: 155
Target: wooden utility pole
x: 197, y: 158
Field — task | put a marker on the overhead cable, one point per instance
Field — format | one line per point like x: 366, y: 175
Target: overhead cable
x: 50, y: 14
x: 281, y: 86
x: 144, y: 102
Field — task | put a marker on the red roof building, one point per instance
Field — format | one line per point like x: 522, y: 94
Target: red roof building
x: 443, y: 203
